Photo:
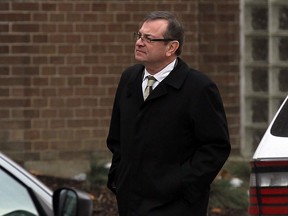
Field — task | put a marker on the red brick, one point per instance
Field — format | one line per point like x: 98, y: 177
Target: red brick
x: 90, y: 17
x: 13, y: 81
x: 207, y: 7
x: 48, y: 92
x: 28, y: 113
x: 49, y: 134
x: 73, y: 102
x: 57, y: 124
x: 4, y: 6
x: 39, y: 17
x: 72, y: 81
x: 57, y: 38
x: 65, y: 92
x: 4, y: 92
x: 90, y: 102
x: 73, y: 39
x: 25, y: 28
x: 82, y: 6
x: 48, y: 28
x: 123, y: 17
x: 39, y: 81
x: 4, y: 49
x: 57, y: 81
x: 12, y: 17
x: 91, y: 80
x: 57, y: 102
x: 25, y: 6
x: 27, y: 92
x: 82, y: 91
x: 73, y: 17
x: 39, y: 60
x: 81, y: 48
x: 82, y: 27
x: 40, y: 38
x: 64, y: 113
x: 48, y: 70
x: 14, y: 103
x: 48, y: 6
x: 65, y: 6
x: 82, y: 134
x: 99, y: 7
x: 57, y: 60
x: 91, y: 59
x: 65, y: 28
x: 24, y: 71
x: 47, y: 49
x: 12, y: 38
x: 48, y: 113
x: 39, y: 103
x: 56, y: 17
x: 73, y: 60
x: 28, y: 49
x: 32, y: 135
x: 4, y: 114
x: 66, y: 70
x: 4, y: 27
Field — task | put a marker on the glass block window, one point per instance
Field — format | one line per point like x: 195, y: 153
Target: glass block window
x: 264, y: 67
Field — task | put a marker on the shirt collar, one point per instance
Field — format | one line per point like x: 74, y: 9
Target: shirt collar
x: 161, y: 74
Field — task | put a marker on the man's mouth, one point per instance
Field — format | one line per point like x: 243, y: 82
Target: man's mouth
x: 139, y: 51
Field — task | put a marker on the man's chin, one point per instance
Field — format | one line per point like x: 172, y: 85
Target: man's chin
x: 139, y: 59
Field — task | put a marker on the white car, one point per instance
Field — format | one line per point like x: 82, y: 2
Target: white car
x: 21, y: 194
x: 269, y: 169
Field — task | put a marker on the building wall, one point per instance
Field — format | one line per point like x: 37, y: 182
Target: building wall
x: 60, y: 62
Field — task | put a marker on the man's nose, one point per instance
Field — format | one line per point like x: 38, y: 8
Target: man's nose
x: 139, y: 42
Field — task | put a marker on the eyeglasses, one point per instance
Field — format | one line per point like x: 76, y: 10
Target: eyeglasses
x: 147, y: 39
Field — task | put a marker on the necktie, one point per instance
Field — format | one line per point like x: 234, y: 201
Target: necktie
x: 148, y: 89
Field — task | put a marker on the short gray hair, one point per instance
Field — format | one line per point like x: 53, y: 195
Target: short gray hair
x: 174, y: 30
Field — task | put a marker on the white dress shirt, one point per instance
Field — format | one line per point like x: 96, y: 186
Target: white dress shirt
x: 161, y: 75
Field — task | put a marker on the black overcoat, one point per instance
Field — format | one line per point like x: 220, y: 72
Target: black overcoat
x: 168, y: 149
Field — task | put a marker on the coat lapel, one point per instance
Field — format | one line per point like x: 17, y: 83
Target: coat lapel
x: 175, y: 79
x: 134, y: 88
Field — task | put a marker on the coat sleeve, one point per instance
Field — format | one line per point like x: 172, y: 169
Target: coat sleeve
x: 113, y: 143
x: 113, y: 140
x: 212, y: 140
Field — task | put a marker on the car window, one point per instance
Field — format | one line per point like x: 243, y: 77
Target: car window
x: 14, y: 197
x: 280, y: 125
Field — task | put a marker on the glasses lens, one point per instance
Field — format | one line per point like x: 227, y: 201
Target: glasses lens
x: 137, y: 35
x: 144, y: 38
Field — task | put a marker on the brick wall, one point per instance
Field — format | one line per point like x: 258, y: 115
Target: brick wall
x: 60, y: 63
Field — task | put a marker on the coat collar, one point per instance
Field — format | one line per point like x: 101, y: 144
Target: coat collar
x: 177, y: 75
x: 175, y: 79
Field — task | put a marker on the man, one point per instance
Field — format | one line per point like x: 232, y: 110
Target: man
x: 167, y: 148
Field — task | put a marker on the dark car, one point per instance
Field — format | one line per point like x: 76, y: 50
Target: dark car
x: 269, y: 169
x: 22, y: 194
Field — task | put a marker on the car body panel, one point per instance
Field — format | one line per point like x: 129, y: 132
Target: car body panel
x: 268, y: 190
x: 23, y: 194
x: 27, y: 178
x: 272, y: 146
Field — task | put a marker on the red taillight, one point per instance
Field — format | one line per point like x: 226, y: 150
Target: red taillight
x: 269, y: 188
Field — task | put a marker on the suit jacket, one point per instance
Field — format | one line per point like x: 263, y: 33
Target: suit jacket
x: 168, y: 149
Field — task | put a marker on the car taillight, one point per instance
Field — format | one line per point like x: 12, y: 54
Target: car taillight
x: 268, y: 188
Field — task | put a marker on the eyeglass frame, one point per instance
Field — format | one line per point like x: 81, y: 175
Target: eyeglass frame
x: 138, y: 35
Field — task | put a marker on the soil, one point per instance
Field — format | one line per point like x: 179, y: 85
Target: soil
x: 105, y: 202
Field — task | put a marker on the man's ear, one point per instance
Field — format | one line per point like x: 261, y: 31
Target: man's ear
x: 172, y: 47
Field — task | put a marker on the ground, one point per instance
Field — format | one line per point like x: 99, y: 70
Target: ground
x: 104, y: 200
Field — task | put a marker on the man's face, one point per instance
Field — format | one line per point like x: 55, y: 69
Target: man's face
x: 150, y: 53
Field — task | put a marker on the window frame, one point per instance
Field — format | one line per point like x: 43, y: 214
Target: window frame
x: 273, y: 66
